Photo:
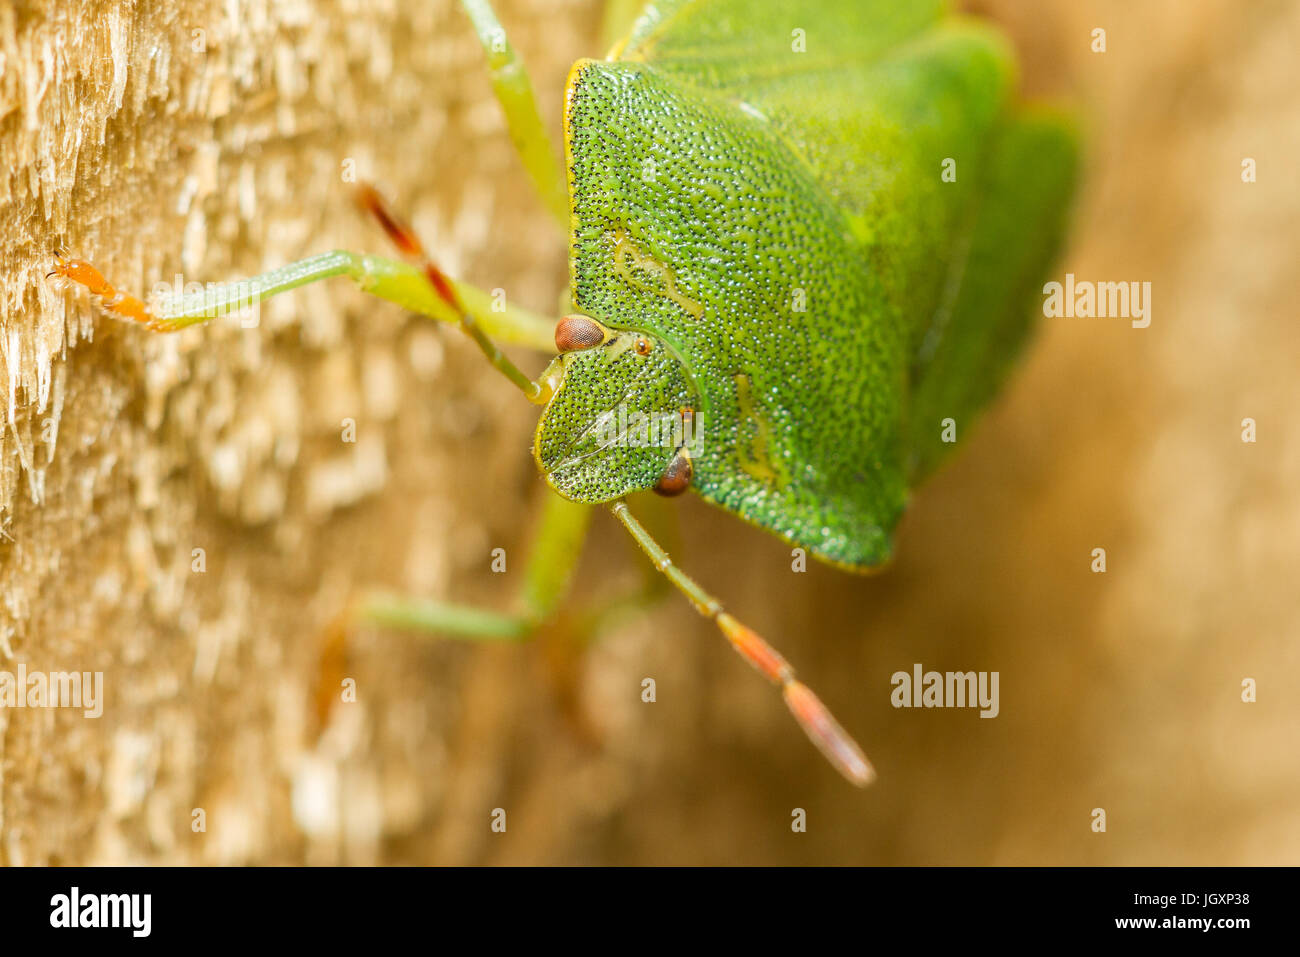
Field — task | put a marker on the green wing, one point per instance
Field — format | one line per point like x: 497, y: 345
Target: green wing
x: 1016, y: 228
x: 733, y: 43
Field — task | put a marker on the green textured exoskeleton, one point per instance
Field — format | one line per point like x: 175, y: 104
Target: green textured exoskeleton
x: 804, y: 236
x: 758, y: 187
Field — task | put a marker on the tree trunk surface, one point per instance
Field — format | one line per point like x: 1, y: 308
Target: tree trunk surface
x: 186, y: 514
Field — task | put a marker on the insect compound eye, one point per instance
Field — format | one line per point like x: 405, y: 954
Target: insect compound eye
x: 677, y: 477
x: 642, y: 346
x: 573, y: 333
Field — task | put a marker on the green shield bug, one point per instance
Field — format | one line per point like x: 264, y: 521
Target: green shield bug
x: 803, y: 237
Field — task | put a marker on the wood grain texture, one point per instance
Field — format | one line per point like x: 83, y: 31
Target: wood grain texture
x: 121, y: 452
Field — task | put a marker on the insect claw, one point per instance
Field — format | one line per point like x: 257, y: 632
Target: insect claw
x: 112, y: 300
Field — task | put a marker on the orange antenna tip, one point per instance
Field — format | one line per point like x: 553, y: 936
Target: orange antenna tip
x: 403, y: 238
x: 831, y: 739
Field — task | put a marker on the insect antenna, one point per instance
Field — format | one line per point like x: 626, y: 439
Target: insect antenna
x: 410, y: 246
x: 813, y: 716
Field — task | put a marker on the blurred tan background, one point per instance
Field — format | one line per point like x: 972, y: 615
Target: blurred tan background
x: 208, y: 139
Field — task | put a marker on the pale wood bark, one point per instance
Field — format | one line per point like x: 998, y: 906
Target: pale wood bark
x: 130, y: 138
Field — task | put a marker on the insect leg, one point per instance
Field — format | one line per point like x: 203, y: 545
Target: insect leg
x: 617, y: 22
x: 554, y: 553
x: 418, y: 616
x: 556, y: 547
x: 813, y: 716
x: 601, y: 616
x: 555, y: 550
x: 514, y: 91
x: 389, y: 279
